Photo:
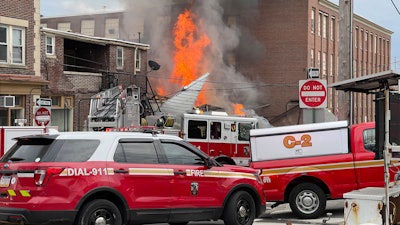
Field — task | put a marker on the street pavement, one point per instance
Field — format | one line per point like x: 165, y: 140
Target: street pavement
x: 282, y: 215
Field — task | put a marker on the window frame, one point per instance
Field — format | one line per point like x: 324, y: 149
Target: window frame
x: 52, y: 45
x: 138, y: 54
x: 87, y: 27
x: 10, y: 45
x: 119, y: 60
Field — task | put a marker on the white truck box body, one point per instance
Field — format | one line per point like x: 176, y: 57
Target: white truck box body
x: 10, y: 132
x: 323, y: 139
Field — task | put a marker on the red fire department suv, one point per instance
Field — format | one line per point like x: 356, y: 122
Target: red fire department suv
x: 120, y: 178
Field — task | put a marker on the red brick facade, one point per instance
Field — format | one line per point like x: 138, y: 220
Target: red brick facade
x: 20, y: 79
x: 286, y: 32
x: 79, y: 69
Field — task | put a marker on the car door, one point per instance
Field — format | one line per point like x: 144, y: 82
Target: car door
x: 193, y: 185
x: 139, y: 176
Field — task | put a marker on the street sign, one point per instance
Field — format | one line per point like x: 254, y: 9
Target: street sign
x: 43, y: 102
x: 313, y: 73
x: 42, y: 116
x: 312, y: 93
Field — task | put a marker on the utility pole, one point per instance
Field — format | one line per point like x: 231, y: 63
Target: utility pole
x: 345, y: 64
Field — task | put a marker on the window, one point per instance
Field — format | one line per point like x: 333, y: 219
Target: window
x: 197, y: 129
x: 319, y: 24
x: 87, y: 27
x: 75, y: 150
x: 324, y: 27
x: 120, y: 58
x: 331, y: 65
x: 137, y: 60
x: 313, y: 21
x: 136, y: 152
x: 323, y: 64
x: 49, y: 150
x: 50, y: 44
x: 64, y: 26
x: 356, y: 38
x: 332, y: 29
x: 244, y: 131
x: 12, y: 43
x: 312, y: 64
x: 369, y: 139
x: 3, y: 44
x: 215, y: 130
x: 112, y: 28
x: 179, y: 155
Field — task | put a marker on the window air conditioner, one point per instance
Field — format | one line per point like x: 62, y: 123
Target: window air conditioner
x: 7, y: 101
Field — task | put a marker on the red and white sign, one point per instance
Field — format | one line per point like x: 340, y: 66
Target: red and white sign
x: 312, y: 93
x: 42, y: 116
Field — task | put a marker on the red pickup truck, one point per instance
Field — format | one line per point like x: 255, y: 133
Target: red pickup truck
x: 305, y: 165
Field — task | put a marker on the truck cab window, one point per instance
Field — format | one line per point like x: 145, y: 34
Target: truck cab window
x: 244, y: 131
x: 197, y: 129
x: 215, y: 130
x: 369, y: 139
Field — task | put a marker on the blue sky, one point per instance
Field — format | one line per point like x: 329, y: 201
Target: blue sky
x: 381, y: 12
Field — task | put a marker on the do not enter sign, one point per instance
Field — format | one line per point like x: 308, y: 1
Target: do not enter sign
x: 312, y: 93
x: 42, y: 116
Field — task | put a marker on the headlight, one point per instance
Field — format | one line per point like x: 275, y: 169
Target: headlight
x: 258, y: 177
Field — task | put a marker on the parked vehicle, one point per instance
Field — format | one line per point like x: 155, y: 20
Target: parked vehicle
x: 305, y: 165
x: 120, y: 178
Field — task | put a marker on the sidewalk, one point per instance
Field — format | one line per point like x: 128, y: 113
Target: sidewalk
x: 283, y: 215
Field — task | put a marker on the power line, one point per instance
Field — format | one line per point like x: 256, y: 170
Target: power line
x: 395, y: 7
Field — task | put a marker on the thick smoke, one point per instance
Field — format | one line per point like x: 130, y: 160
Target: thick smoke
x: 230, y: 43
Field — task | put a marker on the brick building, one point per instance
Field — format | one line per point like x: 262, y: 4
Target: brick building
x: 78, y: 66
x: 19, y: 60
x: 305, y: 34
x: 62, y: 66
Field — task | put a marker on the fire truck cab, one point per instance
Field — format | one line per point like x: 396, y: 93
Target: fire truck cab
x: 226, y: 138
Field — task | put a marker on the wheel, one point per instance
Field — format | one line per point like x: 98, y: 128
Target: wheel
x: 100, y: 212
x: 240, y: 209
x: 307, y: 201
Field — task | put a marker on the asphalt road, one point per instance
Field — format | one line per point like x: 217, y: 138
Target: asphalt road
x: 282, y: 215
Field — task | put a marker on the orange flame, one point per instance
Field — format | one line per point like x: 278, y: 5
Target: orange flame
x: 238, y: 109
x: 189, y: 51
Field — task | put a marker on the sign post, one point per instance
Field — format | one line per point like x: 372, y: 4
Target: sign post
x: 312, y: 93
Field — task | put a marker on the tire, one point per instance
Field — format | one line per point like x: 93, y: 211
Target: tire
x: 100, y: 210
x: 307, y: 201
x: 240, y: 209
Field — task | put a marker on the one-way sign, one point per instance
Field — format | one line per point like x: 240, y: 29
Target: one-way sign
x: 43, y: 102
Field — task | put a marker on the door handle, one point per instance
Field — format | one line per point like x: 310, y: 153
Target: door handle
x: 180, y: 172
x: 121, y: 171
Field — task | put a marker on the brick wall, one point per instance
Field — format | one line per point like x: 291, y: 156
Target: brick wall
x: 22, y: 10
